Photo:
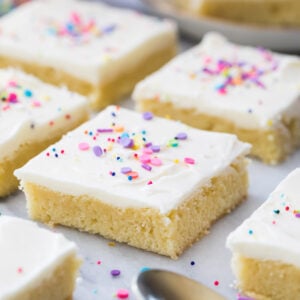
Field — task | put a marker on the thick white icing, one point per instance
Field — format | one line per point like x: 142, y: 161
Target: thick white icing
x: 31, y: 118
x: 256, y: 102
x: 28, y: 255
x: 272, y: 232
x: 125, y: 38
x: 79, y: 172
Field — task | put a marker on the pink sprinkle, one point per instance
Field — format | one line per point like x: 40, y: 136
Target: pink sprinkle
x: 12, y: 83
x: 20, y: 270
x: 147, y: 151
x: 145, y: 158
x: 75, y: 18
x: 189, y: 160
x: 12, y: 97
x: 99, y: 262
x: 36, y: 103
x: 83, y: 146
x: 150, y: 182
x: 216, y: 283
x: 122, y: 294
x: 156, y: 161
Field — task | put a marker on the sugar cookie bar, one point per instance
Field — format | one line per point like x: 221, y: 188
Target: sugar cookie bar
x: 33, y: 115
x: 220, y: 86
x: 35, y: 263
x: 266, y: 247
x: 262, y: 12
x: 152, y: 183
x: 93, y: 49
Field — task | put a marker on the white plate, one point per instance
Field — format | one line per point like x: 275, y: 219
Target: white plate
x: 275, y: 38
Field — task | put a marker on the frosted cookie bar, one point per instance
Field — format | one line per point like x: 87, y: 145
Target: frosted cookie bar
x: 35, y: 263
x: 96, y: 50
x: 33, y: 115
x: 149, y: 182
x: 266, y: 247
x: 259, y: 12
x: 220, y: 86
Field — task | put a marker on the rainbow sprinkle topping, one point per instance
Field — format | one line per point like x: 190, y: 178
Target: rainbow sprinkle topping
x: 79, y: 29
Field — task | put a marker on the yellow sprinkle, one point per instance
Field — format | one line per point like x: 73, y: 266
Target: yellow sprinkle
x: 119, y: 128
x: 270, y: 123
x: 109, y: 146
x: 176, y: 161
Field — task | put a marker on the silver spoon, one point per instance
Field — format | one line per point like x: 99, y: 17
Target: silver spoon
x: 166, y: 285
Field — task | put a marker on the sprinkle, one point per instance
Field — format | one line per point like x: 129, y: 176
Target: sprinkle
x: 276, y: 211
x: 189, y: 160
x: 115, y: 272
x: 173, y: 143
x: 192, y: 263
x: 216, y: 282
x: 122, y: 294
x: 145, y: 158
x: 181, y: 136
x: 133, y: 175
x: 28, y: 93
x: 126, y: 142
x: 125, y: 170
x: 20, y: 270
x: 97, y: 151
x: 119, y: 128
x: 297, y: 213
x: 250, y: 231
x: 147, y: 167
x: 99, y: 262
x: 111, y: 244
x: 147, y: 116
x: 155, y: 148
x: 149, y: 182
x: 156, y: 161
x: 147, y: 151
x: 104, y: 130
x: 83, y: 146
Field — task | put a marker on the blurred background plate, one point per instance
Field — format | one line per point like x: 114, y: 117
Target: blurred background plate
x: 276, y: 38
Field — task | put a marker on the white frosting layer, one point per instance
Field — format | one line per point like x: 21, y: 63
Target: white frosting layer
x: 88, y: 40
x: 251, y: 87
x: 272, y: 232
x: 28, y: 255
x: 172, y: 178
x: 31, y: 110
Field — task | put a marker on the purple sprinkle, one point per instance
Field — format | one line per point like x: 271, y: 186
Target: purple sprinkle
x: 181, y: 136
x: 297, y: 215
x: 97, y: 150
x: 147, y: 145
x: 115, y: 272
x: 147, y: 115
x: 147, y: 167
x: 126, y: 142
x: 155, y: 148
x: 125, y: 170
x: 103, y: 130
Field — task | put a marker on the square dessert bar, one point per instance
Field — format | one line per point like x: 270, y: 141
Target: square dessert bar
x: 33, y: 115
x: 35, y: 263
x: 266, y: 247
x: 220, y: 86
x: 262, y: 12
x: 149, y: 182
x: 96, y: 50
